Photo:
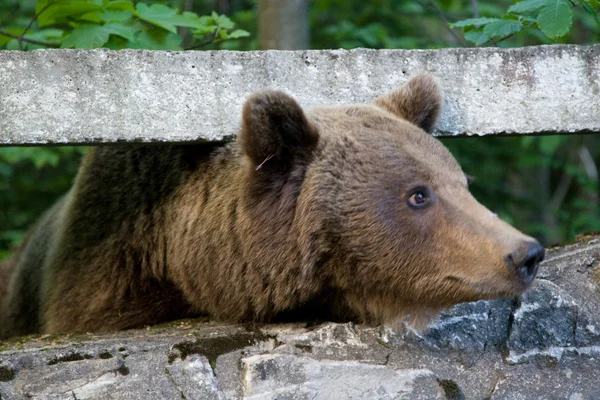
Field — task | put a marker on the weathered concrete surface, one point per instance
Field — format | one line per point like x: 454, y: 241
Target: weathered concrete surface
x: 97, y: 96
x: 544, y: 345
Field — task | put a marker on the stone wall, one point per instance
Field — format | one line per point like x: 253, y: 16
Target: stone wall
x: 102, y: 96
x: 545, y: 344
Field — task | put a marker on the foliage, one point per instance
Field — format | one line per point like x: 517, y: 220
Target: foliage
x: 546, y: 186
x: 115, y: 24
x: 553, y: 17
x: 31, y: 179
x: 379, y: 24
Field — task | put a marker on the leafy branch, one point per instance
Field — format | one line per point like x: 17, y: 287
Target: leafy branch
x: 35, y: 17
x: 553, y: 17
x: 21, y: 38
x: 206, y: 42
x: 116, y: 24
x: 440, y: 13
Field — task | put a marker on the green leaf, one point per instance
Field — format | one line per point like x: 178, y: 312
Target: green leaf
x: 5, y: 39
x: 157, y: 39
x: 12, y: 44
x: 62, y: 11
x: 120, y: 5
x: 167, y: 18
x: 525, y: 18
x: 472, y: 22
x: 41, y: 4
x: 477, y: 36
x: 159, y: 15
x: 239, y: 33
x: 117, y: 43
x: 224, y: 22
x: 50, y: 35
x: 87, y: 36
x: 125, y: 31
x: 205, y: 30
x: 91, y: 17
x: 115, y: 15
x: 555, y: 18
x: 502, y: 28
x: 590, y: 10
x: 192, y: 20
x: 527, y: 5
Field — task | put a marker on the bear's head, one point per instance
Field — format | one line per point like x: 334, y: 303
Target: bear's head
x: 381, y: 209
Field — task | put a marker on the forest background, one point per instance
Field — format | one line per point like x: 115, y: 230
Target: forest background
x: 546, y: 186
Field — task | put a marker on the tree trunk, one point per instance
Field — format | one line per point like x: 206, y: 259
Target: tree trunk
x: 283, y: 25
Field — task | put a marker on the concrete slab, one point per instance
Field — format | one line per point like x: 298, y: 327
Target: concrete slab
x: 103, y: 96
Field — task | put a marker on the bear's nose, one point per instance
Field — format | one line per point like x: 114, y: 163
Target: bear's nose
x: 525, y: 261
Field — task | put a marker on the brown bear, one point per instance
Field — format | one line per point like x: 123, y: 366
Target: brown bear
x: 343, y: 213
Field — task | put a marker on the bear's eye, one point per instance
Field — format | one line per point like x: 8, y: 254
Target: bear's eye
x: 418, y: 198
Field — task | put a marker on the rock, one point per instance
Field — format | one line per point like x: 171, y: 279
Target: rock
x: 281, y: 376
x: 194, y: 378
x: 471, y: 327
x: 544, y: 345
x: 549, y: 323
x: 335, y: 342
x: 574, y: 378
x: 228, y: 370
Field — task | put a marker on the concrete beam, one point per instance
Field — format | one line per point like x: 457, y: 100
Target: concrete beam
x: 102, y: 96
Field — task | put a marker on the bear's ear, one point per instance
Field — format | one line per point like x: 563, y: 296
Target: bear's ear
x: 419, y: 101
x: 275, y: 131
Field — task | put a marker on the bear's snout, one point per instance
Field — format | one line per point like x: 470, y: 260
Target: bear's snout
x: 525, y: 260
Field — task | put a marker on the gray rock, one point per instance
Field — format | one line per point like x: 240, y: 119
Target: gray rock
x: 194, y: 378
x: 103, y: 96
x: 547, y: 317
x: 228, y: 370
x: 335, y: 342
x: 549, y: 323
x: 277, y: 376
x: 544, y: 345
x: 574, y: 378
x: 471, y: 327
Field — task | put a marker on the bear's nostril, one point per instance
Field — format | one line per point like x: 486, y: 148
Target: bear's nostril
x: 531, y: 265
x: 526, y: 260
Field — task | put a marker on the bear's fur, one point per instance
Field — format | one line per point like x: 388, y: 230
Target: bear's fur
x: 307, y: 215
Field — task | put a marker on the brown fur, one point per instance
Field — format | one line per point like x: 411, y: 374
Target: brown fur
x: 306, y: 214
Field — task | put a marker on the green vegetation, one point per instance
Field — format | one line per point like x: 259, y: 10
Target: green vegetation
x: 114, y: 24
x: 552, y: 17
x: 546, y: 186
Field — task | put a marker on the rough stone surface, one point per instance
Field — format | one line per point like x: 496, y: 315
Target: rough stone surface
x: 100, y: 96
x: 543, y: 345
x: 269, y: 376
